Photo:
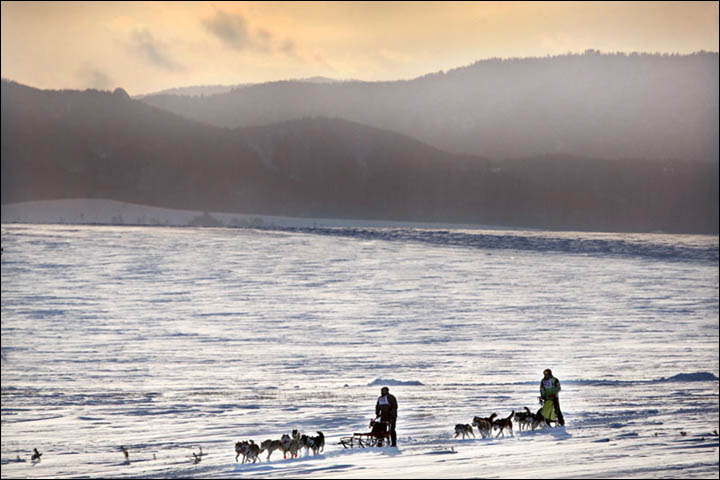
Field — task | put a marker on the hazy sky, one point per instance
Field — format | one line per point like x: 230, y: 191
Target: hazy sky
x: 150, y: 46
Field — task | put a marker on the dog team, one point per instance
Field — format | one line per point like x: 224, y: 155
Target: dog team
x: 525, y: 421
x: 291, y: 444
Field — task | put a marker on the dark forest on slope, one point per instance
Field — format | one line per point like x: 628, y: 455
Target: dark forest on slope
x: 91, y: 144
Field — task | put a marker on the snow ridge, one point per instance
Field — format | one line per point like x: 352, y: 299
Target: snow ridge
x: 576, y: 243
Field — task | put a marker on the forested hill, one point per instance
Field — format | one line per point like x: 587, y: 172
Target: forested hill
x: 597, y: 105
x: 92, y: 144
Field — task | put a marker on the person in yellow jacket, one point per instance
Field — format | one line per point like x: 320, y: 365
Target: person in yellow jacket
x: 549, y: 390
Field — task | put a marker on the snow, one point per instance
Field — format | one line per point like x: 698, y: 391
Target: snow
x: 691, y: 377
x: 111, y: 212
x: 167, y: 339
x: 392, y: 381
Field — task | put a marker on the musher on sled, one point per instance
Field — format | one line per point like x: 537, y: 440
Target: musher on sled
x: 386, y: 409
x: 549, y: 390
x: 382, y: 433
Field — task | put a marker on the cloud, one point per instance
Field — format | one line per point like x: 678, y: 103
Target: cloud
x: 93, y: 77
x: 144, y: 43
x: 231, y: 30
x: 263, y: 40
x: 290, y: 48
x: 234, y: 32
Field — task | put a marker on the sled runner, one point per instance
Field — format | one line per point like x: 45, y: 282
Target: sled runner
x: 378, y: 436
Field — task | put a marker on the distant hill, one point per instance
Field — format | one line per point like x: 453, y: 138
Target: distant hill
x: 198, y: 90
x: 207, y: 90
x: 92, y: 144
x: 596, y: 105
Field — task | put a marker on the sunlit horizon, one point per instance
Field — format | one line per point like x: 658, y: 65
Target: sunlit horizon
x: 145, y: 47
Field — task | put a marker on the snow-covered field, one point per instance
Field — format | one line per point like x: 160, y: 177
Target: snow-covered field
x: 166, y: 339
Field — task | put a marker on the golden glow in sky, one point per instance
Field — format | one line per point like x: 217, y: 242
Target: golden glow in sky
x: 150, y: 46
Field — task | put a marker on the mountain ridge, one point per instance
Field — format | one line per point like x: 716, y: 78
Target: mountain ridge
x: 598, y: 105
x: 71, y: 144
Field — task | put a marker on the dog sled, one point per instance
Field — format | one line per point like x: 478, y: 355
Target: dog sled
x: 378, y: 436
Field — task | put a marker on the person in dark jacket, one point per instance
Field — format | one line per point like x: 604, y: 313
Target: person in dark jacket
x: 549, y: 389
x: 386, y: 408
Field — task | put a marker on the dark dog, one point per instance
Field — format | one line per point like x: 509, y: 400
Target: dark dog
x: 523, y: 419
x: 536, y: 420
x: 504, y: 423
x: 463, y: 429
x: 379, y: 430
x: 316, y: 444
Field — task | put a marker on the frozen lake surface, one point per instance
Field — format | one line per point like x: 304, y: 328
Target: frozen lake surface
x: 166, y: 339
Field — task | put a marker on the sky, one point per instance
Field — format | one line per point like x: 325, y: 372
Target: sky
x: 150, y: 46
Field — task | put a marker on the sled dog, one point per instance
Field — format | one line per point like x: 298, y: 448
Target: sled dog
x: 270, y: 446
x: 316, y: 444
x: 463, y: 429
x: 523, y: 419
x: 484, y: 425
x: 504, y: 423
x: 536, y: 420
x: 248, y: 450
x: 290, y: 444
